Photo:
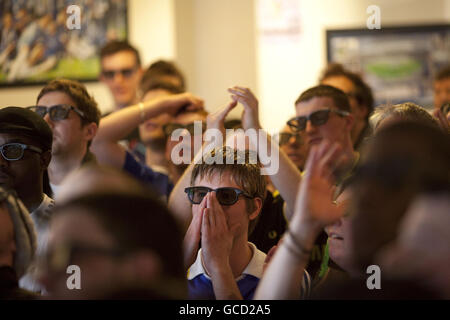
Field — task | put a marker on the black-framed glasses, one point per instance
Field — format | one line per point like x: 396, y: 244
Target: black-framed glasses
x: 226, y: 196
x: 169, y: 128
x: 57, y: 112
x: 285, y: 137
x: 317, y: 118
x: 14, y: 151
x: 126, y: 73
x: 60, y: 256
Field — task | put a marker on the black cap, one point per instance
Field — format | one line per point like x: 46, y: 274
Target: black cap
x: 17, y: 120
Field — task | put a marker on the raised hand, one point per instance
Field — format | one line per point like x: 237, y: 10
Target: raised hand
x: 315, y: 204
x: 250, y: 116
x: 216, y: 120
x: 175, y: 103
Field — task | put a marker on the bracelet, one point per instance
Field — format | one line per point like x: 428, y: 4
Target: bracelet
x: 141, y: 108
x: 298, y: 243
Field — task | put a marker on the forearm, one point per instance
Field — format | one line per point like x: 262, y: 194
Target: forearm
x: 109, y: 153
x: 286, y: 178
x: 284, y: 275
x: 178, y: 203
x: 117, y: 125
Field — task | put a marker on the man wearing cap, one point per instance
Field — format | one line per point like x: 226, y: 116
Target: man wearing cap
x: 73, y: 117
x: 25, y: 147
x: 17, y: 246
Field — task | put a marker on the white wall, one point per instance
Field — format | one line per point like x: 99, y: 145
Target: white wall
x: 291, y: 67
x: 216, y: 47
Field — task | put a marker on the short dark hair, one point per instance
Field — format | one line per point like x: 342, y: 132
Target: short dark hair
x: 340, y: 99
x: 410, y: 157
x: 363, y: 93
x: 162, y: 85
x: 116, y: 46
x: 157, y: 71
x: 443, y: 73
x: 136, y: 220
x: 407, y: 111
x: 79, y: 94
x: 246, y: 175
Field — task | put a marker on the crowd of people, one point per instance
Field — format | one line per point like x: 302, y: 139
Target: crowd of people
x: 356, y: 185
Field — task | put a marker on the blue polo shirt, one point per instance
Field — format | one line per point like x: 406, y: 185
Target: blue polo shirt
x: 200, y: 284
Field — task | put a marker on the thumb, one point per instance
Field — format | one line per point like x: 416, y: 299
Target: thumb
x: 228, y: 108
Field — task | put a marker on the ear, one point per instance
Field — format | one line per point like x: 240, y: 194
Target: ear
x: 46, y: 157
x: 90, y: 130
x: 349, y: 120
x: 257, y: 202
x: 140, y: 72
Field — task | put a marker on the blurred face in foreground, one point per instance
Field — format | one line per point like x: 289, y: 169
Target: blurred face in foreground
x: 77, y: 238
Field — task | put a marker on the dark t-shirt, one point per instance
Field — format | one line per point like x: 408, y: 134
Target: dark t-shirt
x: 271, y: 224
x: 9, y: 286
x: 156, y: 180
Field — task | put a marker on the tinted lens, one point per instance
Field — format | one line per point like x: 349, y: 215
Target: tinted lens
x: 284, y: 138
x: 319, y: 118
x: 227, y: 196
x: 298, y: 124
x: 12, y: 151
x: 108, y: 74
x: 127, y: 72
x: 196, y: 194
x: 59, y: 112
x: 41, y: 111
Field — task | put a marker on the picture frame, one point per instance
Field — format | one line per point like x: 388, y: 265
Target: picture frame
x: 42, y: 40
x: 398, y: 63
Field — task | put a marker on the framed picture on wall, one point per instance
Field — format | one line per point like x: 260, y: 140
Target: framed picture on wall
x: 398, y: 63
x: 46, y: 39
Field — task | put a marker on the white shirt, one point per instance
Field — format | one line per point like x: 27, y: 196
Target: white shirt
x: 254, y: 267
x: 41, y: 220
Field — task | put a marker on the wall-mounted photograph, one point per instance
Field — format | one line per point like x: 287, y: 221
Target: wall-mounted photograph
x: 398, y: 63
x: 37, y: 45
